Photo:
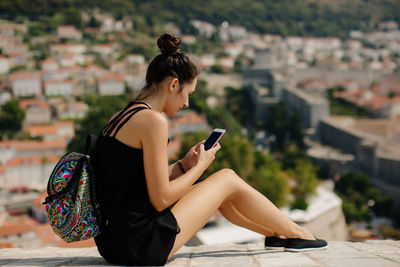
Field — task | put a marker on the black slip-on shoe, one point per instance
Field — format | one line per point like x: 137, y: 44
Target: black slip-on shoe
x: 299, y: 244
x: 274, y: 243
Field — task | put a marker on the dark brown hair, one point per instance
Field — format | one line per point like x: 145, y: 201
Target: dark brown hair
x: 171, y: 62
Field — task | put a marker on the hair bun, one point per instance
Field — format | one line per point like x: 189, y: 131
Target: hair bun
x: 168, y: 44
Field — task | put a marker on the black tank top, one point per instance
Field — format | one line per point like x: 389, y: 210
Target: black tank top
x: 136, y: 233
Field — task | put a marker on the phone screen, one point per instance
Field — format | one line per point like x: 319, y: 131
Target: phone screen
x: 212, y: 140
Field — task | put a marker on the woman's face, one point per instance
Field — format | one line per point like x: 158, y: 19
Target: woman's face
x: 180, y: 98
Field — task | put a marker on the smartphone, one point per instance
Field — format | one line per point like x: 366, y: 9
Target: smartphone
x: 213, y: 139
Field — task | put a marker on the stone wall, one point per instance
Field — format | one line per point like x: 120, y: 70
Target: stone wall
x: 329, y: 226
x: 310, y: 109
x: 370, y: 155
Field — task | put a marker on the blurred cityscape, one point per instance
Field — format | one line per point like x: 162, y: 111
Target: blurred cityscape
x: 321, y: 116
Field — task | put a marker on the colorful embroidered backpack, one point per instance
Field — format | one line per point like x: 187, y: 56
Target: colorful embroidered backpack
x: 71, y: 205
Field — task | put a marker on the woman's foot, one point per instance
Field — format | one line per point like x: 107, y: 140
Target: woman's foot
x: 294, y: 244
x: 274, y: 243
x: 299, y: 244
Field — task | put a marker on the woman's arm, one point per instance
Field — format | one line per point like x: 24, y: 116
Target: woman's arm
x: 162, y: 191
x: 174, y: 171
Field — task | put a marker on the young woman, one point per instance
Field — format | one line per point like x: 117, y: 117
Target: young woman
x: 152, y: 209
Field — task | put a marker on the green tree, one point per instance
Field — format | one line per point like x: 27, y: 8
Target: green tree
x: 220, y: 117
x: 11, y: 118
x: 305, y: 177
x: 93, y: 22
x: 239, y: 103
x: 285, y: 126
x: 72, y: 16
x: 198, y: 99
x: 292, y: 155
x: 343, y: 107
x: 277, y: 124
x: 217, y: 69
x: 286, y: 17
x: 101, y: 108
x: 269, y: 179
x: 361, y: 199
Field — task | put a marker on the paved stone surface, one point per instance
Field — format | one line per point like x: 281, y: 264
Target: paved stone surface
x: 371, y: 253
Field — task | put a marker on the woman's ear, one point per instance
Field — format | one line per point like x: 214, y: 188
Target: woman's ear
x: 172, y: 84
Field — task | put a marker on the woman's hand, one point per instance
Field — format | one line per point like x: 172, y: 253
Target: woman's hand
x: 190, y: 159
x: 205, y: 158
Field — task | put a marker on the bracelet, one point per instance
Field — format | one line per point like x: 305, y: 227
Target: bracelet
x: 181, y: 166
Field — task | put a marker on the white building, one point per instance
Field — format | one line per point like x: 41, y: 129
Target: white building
x: 233, y: 49
x: 135, y: 59
x: 188, y: 39
x: 111, y: 84
x: 17, y: 148
x: 72, y: 110
x: 69, y: 32
x: 105, y: 49
x: 54, y: 131
x: 107, y: 24
x: 4, y: 65
x: 37, y: 111
x: 69, y: 60
x: 58, y: 88
x: 67, y: 49
x: 31, y: 171
x: 207, y: 60
x: 188, y: 121
x: 49, y: 64
x: 123, y: 25
x: 26, y: 83
x: 237, y: 32
x: 205, y: 29
x: 227, y: 61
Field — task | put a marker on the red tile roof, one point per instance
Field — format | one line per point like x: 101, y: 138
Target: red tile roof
x: 191, y: 118
x: 32, y: 160
x: 110, y: 76
x: 26, y: 103
x: 48, y: 60
x: 2, y: 169
x: 25, y: 75
x: 29, y: 145
x: 40, y: 130
x: 24, y: 160
x: 16, y: 228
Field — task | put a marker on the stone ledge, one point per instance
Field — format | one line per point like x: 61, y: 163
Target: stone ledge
x: 372, y: 253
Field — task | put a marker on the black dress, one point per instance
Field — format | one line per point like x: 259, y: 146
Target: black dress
x: 135, y: 233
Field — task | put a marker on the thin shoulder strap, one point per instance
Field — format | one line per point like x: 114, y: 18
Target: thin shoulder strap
x: 130, y: 113
x: 116, y: 119
x: 107, y: 130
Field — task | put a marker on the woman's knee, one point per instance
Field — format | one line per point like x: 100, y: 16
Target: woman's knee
x: 228, y: 172
x: 228, y: 176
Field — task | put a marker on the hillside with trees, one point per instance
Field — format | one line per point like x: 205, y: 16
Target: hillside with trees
x: 286, y: 17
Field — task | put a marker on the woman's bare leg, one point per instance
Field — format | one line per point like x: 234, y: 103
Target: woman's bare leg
x: 234, y: 216
x: 194, y: 209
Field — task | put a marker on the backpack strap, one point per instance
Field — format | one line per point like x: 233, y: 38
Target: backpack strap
x: 90, y: 143
x: 75, y: 175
